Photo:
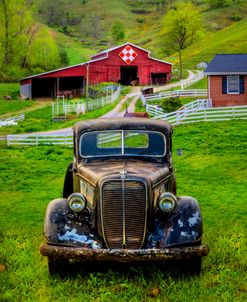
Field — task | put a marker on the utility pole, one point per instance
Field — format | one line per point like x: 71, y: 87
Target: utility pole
x: 87, y: 83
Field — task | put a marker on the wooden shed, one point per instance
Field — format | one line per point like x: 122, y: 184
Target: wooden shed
x: 126, y: 64
x: 227, y: 80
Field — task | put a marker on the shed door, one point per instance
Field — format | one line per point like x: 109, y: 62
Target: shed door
x: 158, y: 78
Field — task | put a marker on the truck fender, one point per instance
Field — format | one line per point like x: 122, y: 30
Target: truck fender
x: 64, y: 227
x: 68, y: 182
x: 181, y: 227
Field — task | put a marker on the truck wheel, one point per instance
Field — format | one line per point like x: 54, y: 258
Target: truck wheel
x: 58, y: 266
x: 190, y: 266
x: 68, y: 182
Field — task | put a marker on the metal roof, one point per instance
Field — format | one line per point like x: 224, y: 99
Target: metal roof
x: 95, y: 60
x: 227, y: 64
x: 105, y: 52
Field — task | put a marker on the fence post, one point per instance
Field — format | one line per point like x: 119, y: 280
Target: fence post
x: 37, y: 139
x: 177, y: 117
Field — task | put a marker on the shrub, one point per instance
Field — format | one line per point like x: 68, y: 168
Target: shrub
x: 235, y: 17
x: 171, y: 104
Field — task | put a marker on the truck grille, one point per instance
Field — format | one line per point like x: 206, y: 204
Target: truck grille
x: 124, y: 207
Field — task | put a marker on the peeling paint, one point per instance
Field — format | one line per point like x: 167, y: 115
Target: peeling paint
x: 185, y: 234
x: 194, y: 219
x: 74, y: 237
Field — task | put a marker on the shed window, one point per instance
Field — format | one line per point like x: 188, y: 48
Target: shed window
x: 233, y: 84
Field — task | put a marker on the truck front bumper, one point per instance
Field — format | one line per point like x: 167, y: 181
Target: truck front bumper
x: 123, y: 255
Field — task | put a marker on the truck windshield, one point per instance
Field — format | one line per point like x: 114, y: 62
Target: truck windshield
x: 122, y: 143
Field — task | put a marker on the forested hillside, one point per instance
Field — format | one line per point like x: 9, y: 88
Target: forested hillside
x: 39, y: 35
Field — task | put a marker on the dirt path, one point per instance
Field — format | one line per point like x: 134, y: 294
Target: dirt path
x: 39, y: 104
x: 191, y: 76
x: 118, y: 110
x: 115, y: 112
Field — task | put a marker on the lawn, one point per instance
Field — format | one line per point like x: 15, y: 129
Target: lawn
x: 14, y: 106
x: 41, y: 120
x: 212, y: 168
x: 11, y: 89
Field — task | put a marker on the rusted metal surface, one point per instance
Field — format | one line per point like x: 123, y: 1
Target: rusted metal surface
x: 124, y: 206
x: 122, y: 124
x: 136, y: 114
x: 94, y: 171
x: 122, y: 221
x: 123, y: 255
x: 182, y: 226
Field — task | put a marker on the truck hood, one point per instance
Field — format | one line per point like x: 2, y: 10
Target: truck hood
x: 94, y: 171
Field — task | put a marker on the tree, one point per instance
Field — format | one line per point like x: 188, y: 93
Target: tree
x: 14, y: 19
x: 53, y: 12
x: 117, y: 31
x: 93, y: 28
x: 64, y: 58
x: 181, y: 25
x: 43, y: 52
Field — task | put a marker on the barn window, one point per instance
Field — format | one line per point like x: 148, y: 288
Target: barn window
x: 233, y: 84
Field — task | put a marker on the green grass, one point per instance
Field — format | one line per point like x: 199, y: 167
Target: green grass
x: 231, y: 39
x: 77, y: 53
x: 212, y: 169
x: 139, y: 106
x: 203, y: 84
x: 11, y: 89
x: 41, y: 120
x: 14, y: 106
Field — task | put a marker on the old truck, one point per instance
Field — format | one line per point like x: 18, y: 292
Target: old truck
x: 119, y: 200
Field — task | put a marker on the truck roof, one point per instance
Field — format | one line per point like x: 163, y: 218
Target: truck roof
x: 122, y: 124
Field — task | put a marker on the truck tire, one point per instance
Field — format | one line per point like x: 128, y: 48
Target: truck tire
x: 58, y: 266
x: 191, y: 267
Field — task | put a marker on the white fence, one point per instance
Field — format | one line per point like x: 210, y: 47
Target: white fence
x: 198, y: 111
x: 12, y: 120
x: 40, y: 139
x: 174, y: 93
x: 81, y: 107
x: 189, y: 82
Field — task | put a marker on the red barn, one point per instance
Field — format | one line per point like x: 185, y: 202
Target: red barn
x: 125, y: 64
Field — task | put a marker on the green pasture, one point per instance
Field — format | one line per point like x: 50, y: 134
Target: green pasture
x: 14, y: 106
x: 11, y: 89
x: 203, y: 84
x: 41, y: 120
x: 212, y: 168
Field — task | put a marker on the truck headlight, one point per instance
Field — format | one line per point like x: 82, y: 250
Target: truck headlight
x: 77, y: 202
x: 167, y: 202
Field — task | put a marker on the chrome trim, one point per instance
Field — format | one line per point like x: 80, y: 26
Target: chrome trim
x: 123, y: 207
x: 101, y: 206
x: 162, y: 180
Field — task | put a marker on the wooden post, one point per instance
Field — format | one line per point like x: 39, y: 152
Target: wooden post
x: 87, y: 83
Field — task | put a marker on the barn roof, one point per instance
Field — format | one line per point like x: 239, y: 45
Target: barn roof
x: 99, y: 56
x: 227, y: 64
x: 122, y: 45
x: 106, y: 51
x: 60, y: 69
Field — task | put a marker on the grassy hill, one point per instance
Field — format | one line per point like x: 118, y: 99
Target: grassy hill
x: 224, y: 28
x: 84, y: 27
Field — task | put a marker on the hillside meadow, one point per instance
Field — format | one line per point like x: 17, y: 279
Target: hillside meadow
x: 212, y: 168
